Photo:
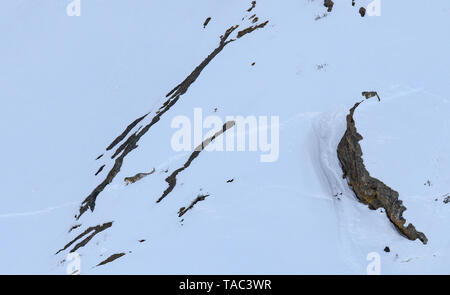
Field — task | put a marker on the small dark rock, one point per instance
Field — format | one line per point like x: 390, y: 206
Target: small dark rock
x: 387, y: 250
x: 206, y: 22
x: 99, y: 170
x: 362, y: 11
x: 328, y: 4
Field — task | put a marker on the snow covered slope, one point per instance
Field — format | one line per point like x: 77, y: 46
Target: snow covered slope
x: 71, y: 85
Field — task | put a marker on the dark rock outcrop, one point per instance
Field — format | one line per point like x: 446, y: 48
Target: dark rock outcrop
x: 370, y: 94
x: 131, y: 143
x: 206, y: 22
x: 362, y: 11
x: 253, y: 6
x: 199, y: 198
x: 251, y: 29
x: 446, y: 199
x: 369, y: 190
x: 111, y: 258
x: 328, y: 4
x: 94, y: 230
x: 172, y: 178
x: 99, y: 170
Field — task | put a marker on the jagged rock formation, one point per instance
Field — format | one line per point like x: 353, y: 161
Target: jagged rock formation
x: 131, y: 143
x: 128, y: 140
x: 199, y: 198
x: 251, y: 29
x: 328, y: 4
x: 446, y: 199
x: 94, y: 230
x: 172, y: 179
x: 369, y: 190
x: 253, y: 6
x: 370, y: 94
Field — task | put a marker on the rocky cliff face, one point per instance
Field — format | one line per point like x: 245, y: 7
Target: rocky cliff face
x: 369, y: 190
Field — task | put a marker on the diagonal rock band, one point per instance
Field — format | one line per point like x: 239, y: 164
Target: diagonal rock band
x: 369, y: 190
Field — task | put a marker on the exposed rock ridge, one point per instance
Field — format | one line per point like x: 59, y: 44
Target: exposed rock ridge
x: 172, y: 179
x: 253, y: 6
x: 125, y: 132
x: 369, y: 190
x: 111, y: 259
x: 94, y: 229
x: 251, y: 29
x: 199, y: 198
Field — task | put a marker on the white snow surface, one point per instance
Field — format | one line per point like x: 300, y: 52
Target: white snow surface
x: 70, y: 85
